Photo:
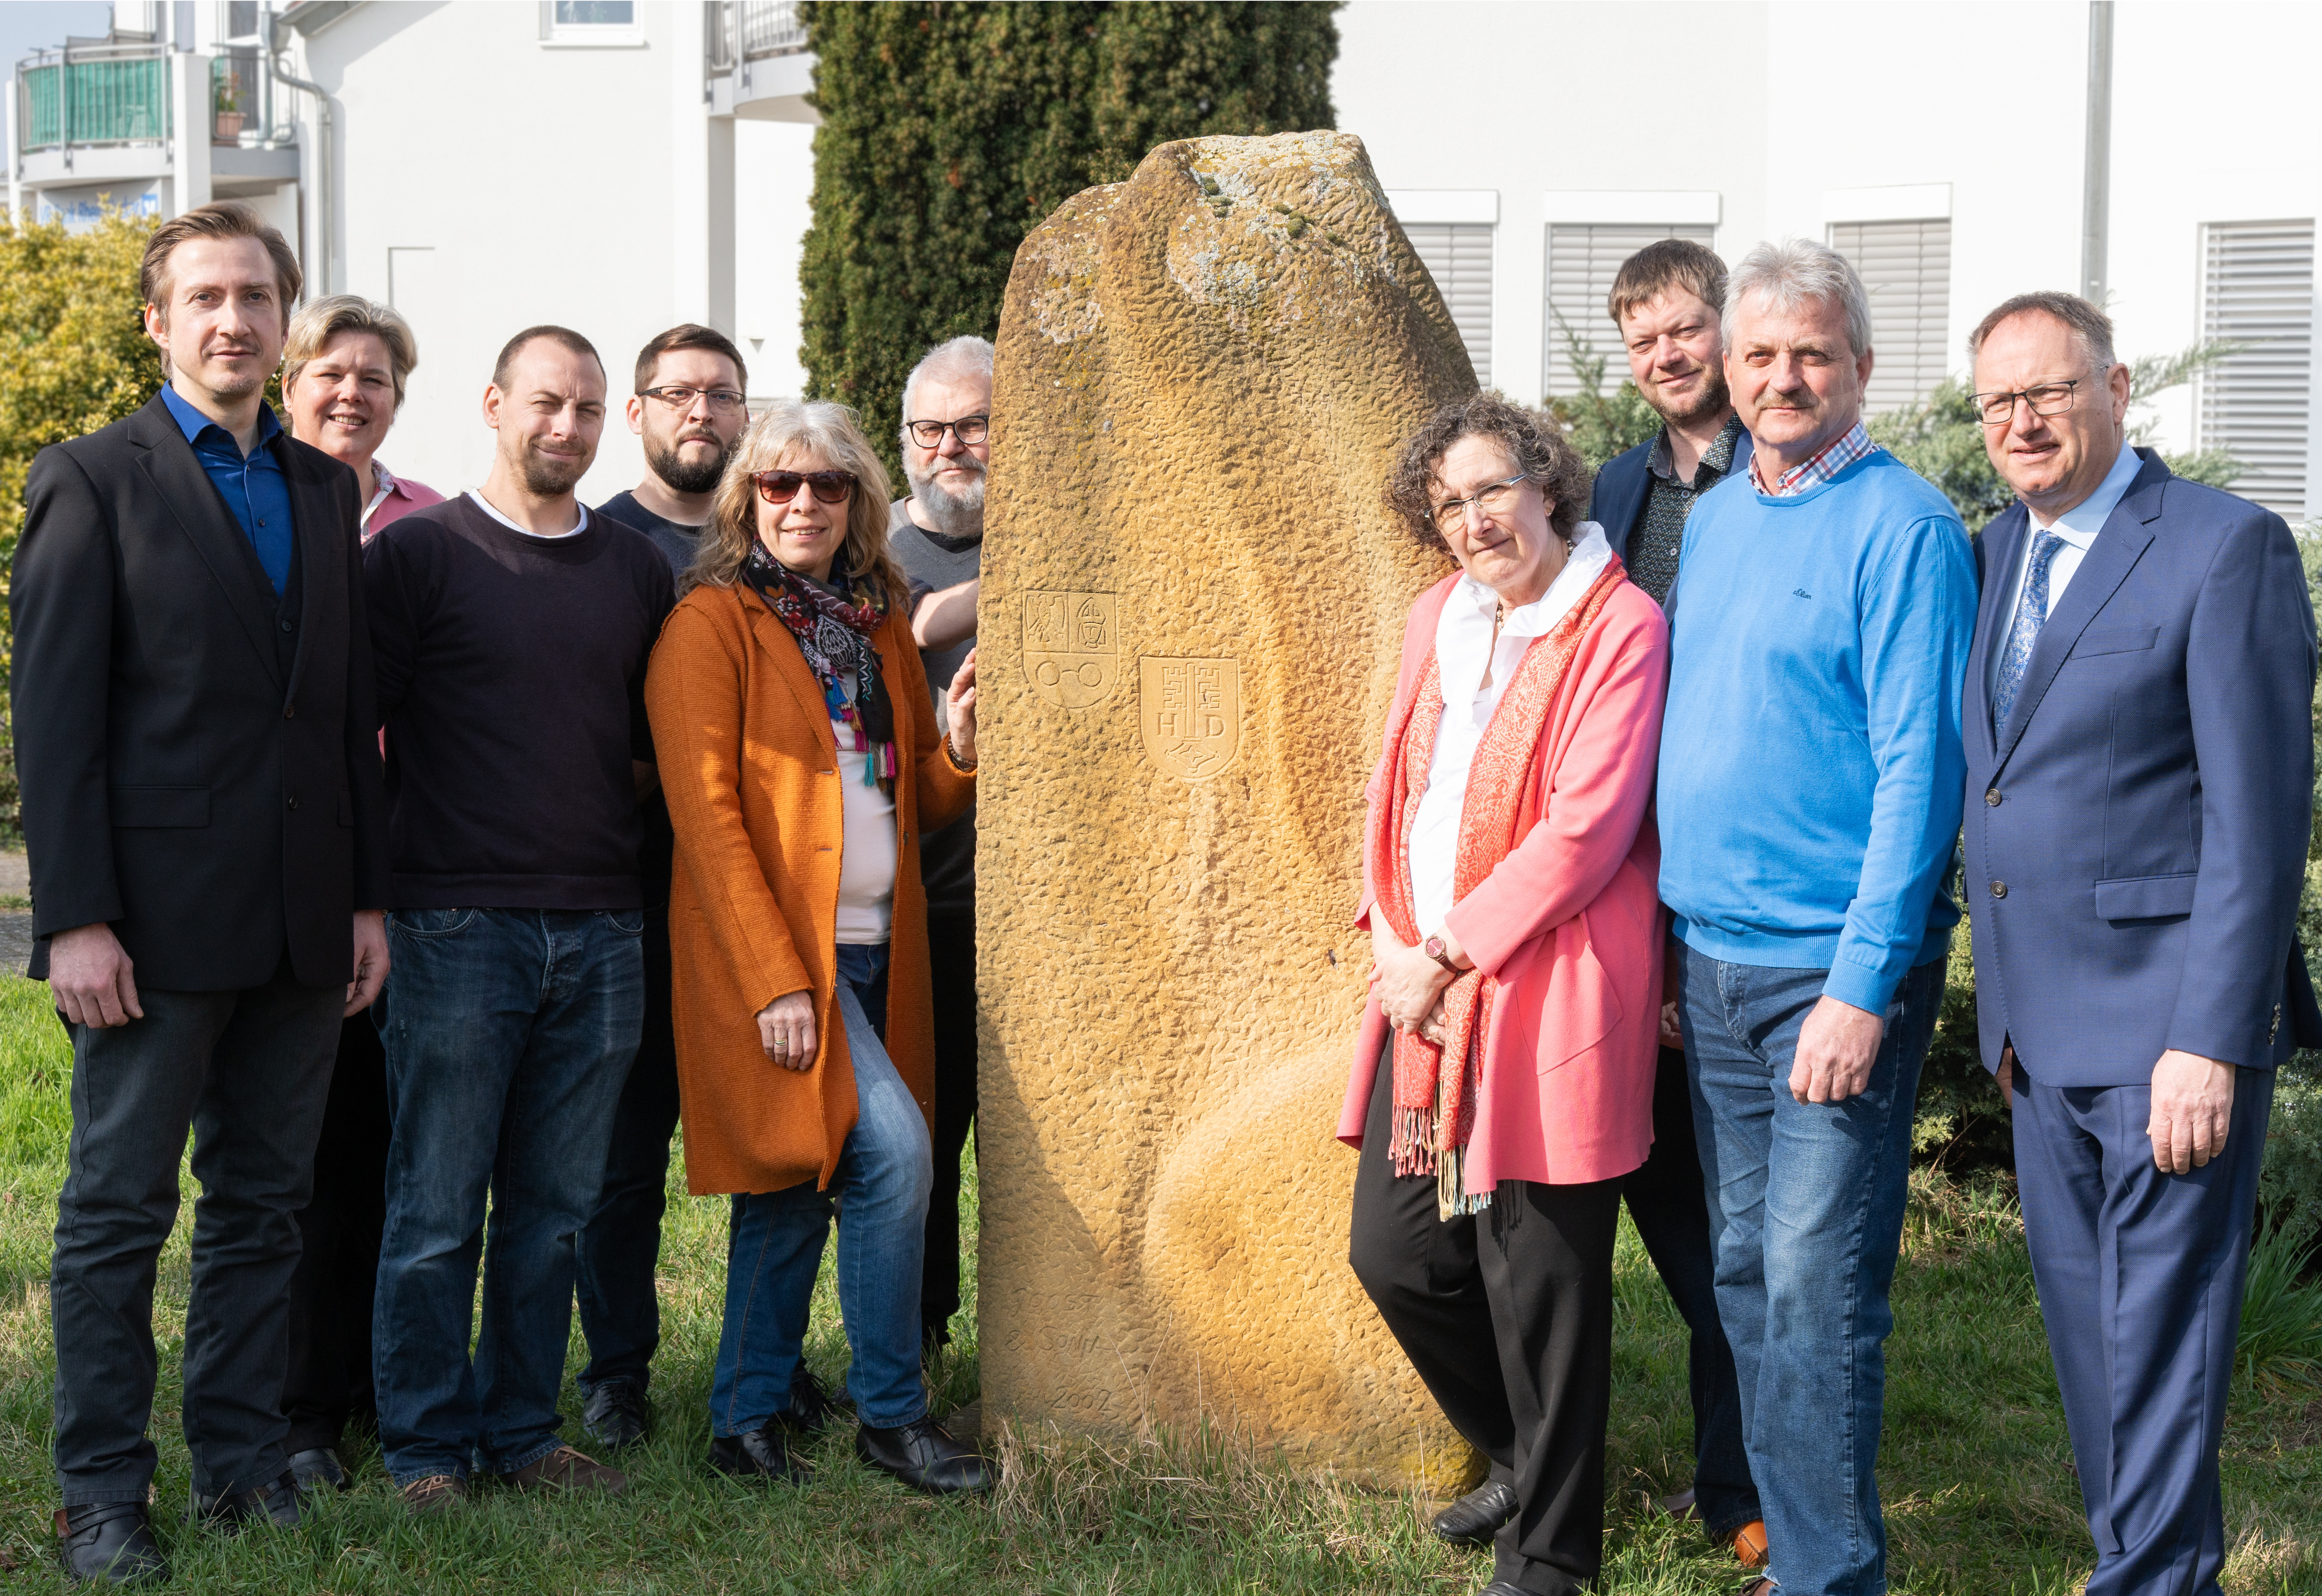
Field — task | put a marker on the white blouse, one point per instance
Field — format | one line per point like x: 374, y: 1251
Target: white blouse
x: 1463, y: 647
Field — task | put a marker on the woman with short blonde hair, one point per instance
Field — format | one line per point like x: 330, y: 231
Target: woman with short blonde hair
x: 343, y: 370
x: 798, y: 750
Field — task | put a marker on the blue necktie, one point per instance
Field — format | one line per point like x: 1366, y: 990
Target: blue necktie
x: 2030, y: 615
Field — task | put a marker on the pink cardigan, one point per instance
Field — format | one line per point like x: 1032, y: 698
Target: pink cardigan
x: 1570, y: 922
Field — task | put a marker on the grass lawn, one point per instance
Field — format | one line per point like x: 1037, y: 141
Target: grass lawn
x: 1980, y: 1498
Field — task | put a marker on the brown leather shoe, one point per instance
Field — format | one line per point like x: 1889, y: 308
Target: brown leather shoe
x: 430, y: 1494
x: 1760, y: 1587
x: 1750, y: 1543
x: 566, y: 1469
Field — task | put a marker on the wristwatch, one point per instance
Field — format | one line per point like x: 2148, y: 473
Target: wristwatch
x: 1434, y: 949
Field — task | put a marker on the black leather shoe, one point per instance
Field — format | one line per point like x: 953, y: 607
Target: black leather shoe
x: 811, y: 1407
x: 1475, y: 1517
x: 761, y: 1453
x: 318, y: 1468
x: 616, y: 1414
x: 109, y: 1542
x: 276, y: 1503
x: 923, y: 1456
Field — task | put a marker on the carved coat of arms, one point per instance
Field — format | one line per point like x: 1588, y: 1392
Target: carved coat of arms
x: 1071, y: 646
x: 1190, y: 713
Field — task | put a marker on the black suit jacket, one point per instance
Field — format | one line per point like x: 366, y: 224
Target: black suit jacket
x: 213, y: 794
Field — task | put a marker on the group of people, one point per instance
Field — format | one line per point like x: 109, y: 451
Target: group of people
x: 1656, y: 877
x: 428, y: 858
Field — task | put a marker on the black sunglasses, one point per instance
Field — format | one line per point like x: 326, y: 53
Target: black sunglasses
x: 831, y: 488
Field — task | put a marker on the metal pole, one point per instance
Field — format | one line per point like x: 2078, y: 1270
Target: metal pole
x: 2096, y: 159
x: 276, y: 45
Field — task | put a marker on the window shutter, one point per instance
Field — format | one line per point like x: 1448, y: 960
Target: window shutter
x: 1583, y: 259
x: 2257, y: 289
x: 1907, y: 267
x: 1459, y: 257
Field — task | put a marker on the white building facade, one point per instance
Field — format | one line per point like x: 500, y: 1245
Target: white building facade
x: 619, y: 165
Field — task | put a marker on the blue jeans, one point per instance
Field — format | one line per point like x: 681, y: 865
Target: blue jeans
x: 1805, y: 1214
x: 509, y: 1033
x: 775, y: 1241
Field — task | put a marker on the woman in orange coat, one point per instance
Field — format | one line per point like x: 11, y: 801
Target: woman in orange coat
x: 799, y: 749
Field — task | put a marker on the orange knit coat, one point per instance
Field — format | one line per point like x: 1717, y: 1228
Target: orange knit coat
x: 750, y: 767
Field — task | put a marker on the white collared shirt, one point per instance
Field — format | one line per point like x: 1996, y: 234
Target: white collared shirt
x: 1463, y: 648
x: 2078, y: 526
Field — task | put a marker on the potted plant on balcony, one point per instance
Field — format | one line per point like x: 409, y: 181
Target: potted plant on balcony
x: 226, y: 112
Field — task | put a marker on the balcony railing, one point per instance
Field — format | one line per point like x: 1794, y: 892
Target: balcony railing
x: 741, y: 31
x: 95, y: 94
x: 119, y: 94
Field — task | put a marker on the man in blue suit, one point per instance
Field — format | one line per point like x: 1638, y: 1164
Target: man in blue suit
x: 2139, y: 789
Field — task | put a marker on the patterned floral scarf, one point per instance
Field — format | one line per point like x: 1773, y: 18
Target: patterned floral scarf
x: 1435, y: 1107
x: 835, y: 636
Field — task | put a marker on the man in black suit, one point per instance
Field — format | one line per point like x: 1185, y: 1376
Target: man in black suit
x: 203, y: 809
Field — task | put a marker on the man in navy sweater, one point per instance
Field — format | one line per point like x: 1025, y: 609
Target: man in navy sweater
x: 2140, y: 780
x: 1809, y: 799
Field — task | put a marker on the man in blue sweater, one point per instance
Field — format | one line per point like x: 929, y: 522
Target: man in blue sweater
x: 1809, y: 796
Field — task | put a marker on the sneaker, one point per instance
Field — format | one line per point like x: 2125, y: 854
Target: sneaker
x: 616, y: 1414
x: 431, y: 1494
x: 566, y: 1469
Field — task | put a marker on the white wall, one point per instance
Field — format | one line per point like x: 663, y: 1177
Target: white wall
x: 773, y: 180
x: 1773, y: 103
x: 508, y: 183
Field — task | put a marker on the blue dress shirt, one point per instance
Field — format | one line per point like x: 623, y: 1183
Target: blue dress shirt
x: 253, y: 486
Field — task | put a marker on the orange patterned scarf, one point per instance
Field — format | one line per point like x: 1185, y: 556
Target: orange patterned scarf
x: 1435, y: 1107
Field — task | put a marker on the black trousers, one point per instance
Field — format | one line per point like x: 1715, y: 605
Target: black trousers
x: 1507, y: 1316
x: 951, y: 958
x: 248, y: 1073
x: 329, y: 1377
x: 619, y: 1248
x: 1671, y: 1211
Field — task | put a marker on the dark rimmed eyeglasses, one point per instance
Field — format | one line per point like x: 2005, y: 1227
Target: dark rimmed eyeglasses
x: 1451, y: 515
x: 928, y: 435
x: 780, y: 487
x: 1997, y: 408
x: 725, y: 401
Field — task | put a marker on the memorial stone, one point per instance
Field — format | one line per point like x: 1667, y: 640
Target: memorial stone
x: 1192, y: 609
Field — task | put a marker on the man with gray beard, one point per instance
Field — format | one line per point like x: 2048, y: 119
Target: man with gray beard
x: 939, y: 536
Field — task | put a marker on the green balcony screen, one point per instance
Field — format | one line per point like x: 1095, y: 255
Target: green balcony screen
x: 96, y: 102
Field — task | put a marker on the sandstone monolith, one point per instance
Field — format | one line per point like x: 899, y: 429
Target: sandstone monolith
x: 1192, y: 609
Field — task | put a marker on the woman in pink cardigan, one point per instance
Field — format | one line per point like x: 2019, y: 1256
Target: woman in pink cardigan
x: 1503, y: 1081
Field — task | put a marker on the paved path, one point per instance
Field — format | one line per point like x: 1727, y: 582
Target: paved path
x: 15, y: 925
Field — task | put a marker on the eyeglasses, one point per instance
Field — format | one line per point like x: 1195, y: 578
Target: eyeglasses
x: 724, y: 401
x: 779, y: 487
x: 1997, y: 408
x: 1451, y: 515
x: 928, y: 435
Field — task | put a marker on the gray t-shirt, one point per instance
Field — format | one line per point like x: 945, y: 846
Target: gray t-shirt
x: 934, y: 563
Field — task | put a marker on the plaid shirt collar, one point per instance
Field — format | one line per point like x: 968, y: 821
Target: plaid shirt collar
x: 1813, y: 473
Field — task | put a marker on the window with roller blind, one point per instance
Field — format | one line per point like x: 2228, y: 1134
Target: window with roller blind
x: 1907, y: 268
x: 1458, y: 255
x: 1583, y: 259
x: 2257, y: 291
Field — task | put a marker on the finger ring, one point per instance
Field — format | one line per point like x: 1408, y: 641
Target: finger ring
x: 782, y: 1047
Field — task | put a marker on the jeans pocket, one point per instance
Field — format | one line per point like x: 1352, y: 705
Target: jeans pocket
x: 430, y: 922
x: 629, y: 922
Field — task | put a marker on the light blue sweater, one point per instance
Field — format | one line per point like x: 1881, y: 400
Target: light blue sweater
x: 1811, y: 766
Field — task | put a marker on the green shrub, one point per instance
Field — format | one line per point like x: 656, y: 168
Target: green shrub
x: 949, y: 130
x: 2290, y: 1186
x: 73, y: 358
x: 2281, y: 1309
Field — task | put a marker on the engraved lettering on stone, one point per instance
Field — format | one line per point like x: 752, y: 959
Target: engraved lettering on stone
x: 1189, y: 712
x: 1071, y: 646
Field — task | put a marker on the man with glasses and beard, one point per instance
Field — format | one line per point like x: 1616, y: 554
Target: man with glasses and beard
x: 688, y: 409
x: 511, y: 629
x: 938, y: 538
